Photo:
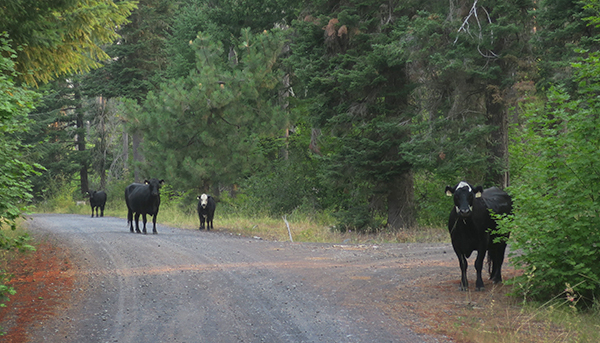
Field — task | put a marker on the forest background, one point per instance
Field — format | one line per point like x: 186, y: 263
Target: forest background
x: 356, y: 111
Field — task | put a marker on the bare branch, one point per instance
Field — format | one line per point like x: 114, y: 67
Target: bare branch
x: 465, y: 24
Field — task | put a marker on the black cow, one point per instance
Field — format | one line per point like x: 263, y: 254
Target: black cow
x: 206, y: 211
x: 97, y: 201
x: 472, y: 228
x: 143, y: 199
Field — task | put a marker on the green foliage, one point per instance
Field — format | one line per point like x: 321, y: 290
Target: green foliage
x: 60, y: 37
x: 139, y: 58
x: 556, y: 219
x: 15, y: 102
x: 15, y: 188
x: 222, y: 21
x: 561, y: 30
x: 52, y: 136
x: 207, y: 128
x: 355, y: 88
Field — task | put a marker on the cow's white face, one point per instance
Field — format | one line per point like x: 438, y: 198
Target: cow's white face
x: 203, y: 200
x: 464, y: 195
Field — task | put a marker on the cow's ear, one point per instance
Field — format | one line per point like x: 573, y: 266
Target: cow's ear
x: 478, y: 191
x: 449, y: 191
x: 198, y: 197
x: 146, y: 182
x: 162, y: 182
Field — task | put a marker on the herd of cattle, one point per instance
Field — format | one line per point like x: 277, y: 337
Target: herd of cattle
x: 471, y: 225
x: 144, y: 199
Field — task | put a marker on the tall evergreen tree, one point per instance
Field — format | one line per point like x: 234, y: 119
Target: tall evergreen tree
x: 358, y: 89
x: 58, y: 137
x: 205, y: 128
x: 222, y: 20
x: 137, y: 63
x: 560, y: 29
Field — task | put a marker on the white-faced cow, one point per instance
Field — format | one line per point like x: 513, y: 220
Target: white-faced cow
x: 144, y: 199
x: 97, y: 201
x: 473, y: 229
x: 206, y: 211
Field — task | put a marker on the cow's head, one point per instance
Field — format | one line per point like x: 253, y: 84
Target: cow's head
x: 154, y: 185
x: 90, y: 193
x: 464, y: 194
x: 203, y: 200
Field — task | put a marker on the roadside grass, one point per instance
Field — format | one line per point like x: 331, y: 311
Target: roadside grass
x: 492, y: 318
x: 303, y: 227
x: 507, y: 320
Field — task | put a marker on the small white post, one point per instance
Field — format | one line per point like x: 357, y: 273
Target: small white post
x: 288, y: 227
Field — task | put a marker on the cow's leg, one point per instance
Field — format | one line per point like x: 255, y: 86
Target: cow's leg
x: 496, y: 252
x: 92, y: 211
x: 102, y: 211
x: 145, y: 221
x: 130, y: 220
x: 208, y: 222
x: 137, y: 223
x: 202, y: 221
x: 464, y: 264
x: 478, y: 268
x: 154, y: 224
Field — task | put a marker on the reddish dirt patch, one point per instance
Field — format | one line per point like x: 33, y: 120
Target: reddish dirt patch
x: 41, y: 279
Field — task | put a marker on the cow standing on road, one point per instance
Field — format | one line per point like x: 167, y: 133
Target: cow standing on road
x: 206, y: 211
x: 143, y: 199
x: 97, y: 201
x: 472, y: 228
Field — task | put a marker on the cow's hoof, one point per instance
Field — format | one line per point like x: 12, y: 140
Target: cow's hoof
x: 463, y: 289
x: 138, y: 231
x: 480, y: 289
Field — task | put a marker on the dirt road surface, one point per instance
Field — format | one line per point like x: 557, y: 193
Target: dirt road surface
x: 197, y: 286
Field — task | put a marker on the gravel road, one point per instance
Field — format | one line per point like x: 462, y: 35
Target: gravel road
x: 197, y: 286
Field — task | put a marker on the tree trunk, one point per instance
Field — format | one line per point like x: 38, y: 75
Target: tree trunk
x: 80, y: 143
x: 125, y: 151
x: 137, y: 156
x: 400, y: 201
x: 497, y: 116
x: 103, y: 143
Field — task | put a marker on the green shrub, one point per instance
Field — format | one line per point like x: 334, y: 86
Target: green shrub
x: 556, y: 193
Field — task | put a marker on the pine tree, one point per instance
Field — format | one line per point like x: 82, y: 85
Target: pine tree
x: 57, y: 135
x: 358, y: 89
x: 205, y: 128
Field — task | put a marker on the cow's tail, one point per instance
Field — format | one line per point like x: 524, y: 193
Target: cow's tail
x: 129, y: 218
x: 489, y: 263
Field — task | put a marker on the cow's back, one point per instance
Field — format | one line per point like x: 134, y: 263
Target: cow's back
x: 497, y: 200
x: 100, y: 198
x: 136, y: 197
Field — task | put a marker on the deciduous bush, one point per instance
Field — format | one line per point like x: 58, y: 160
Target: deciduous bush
x: 556, y: 192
